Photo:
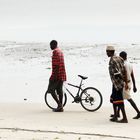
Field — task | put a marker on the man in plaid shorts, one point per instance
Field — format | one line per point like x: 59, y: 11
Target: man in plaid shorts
x: 58, y: 76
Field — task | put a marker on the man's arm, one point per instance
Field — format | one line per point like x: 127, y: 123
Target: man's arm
x: 133, y: 81
x: 55, y: 65
x: 126, y: 79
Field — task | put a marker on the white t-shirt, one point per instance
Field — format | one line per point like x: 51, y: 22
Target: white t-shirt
x: 129, y: 70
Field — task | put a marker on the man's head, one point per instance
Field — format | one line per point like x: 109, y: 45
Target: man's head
x: 110, y: 51
x: 123, y: 54
x: 53, y: 44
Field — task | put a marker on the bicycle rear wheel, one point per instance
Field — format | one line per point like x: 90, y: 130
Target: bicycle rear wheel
x: 50, y: 102
x: 91, y: 99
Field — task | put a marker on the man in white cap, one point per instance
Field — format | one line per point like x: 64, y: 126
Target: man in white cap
x: 118, y: 76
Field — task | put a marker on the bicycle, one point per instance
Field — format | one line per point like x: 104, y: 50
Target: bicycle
x: 90, y: 98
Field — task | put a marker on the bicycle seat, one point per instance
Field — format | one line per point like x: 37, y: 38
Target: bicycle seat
x: 83, y: 77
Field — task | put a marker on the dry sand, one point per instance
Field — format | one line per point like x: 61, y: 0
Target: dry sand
x: 25, y: 70
x: 35, y: 121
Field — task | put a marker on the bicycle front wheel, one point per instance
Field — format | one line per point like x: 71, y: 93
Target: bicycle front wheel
x: 91, y: 99
x: 51, y: 103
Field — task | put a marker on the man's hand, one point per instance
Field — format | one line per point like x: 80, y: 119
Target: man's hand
x: 135, y: 89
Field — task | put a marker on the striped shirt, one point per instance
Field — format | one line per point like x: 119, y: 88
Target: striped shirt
x: 117, y: 71
x: 58, y: 66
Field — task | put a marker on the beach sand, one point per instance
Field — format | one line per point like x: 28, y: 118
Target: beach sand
x: 35, y: 121
x: 24, y: 74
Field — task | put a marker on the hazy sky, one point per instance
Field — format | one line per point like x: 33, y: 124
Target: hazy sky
x: 97, y: 21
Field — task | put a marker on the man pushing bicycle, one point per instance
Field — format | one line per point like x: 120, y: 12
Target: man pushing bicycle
x: 58, y: 76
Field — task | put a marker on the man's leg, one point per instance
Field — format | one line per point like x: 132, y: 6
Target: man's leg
x: 51, y: 89
x: 114, y: 118
x: 118, y: 101
x: 55, y: 97
x: 135, y: 107
x: 115, y: 107
x: 118, y: 113
x: 122, y: 108
x: 60, y: 93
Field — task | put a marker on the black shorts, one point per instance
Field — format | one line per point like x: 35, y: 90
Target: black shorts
x: 55, y: 85
x: 116, y: 96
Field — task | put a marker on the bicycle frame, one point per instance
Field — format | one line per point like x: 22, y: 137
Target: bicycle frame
x: 79, y: 88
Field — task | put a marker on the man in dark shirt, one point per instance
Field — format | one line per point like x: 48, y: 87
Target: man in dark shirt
x: 58, y: 76
x: 118, y: 77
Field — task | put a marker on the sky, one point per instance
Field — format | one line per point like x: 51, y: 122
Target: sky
x: 93, y: 21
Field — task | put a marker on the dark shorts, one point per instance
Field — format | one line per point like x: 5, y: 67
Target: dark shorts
x: 55, y: 85
x: 116, y: 96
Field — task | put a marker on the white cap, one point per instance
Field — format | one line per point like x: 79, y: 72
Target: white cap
x: 110, y: 48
